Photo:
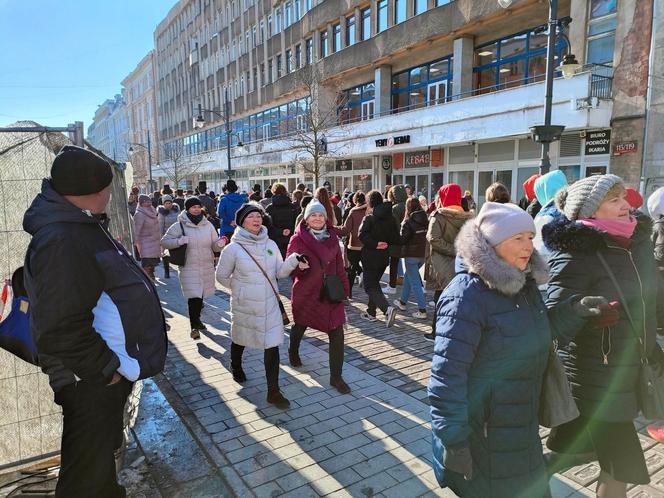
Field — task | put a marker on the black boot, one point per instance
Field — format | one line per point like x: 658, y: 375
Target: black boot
x: 167, y: 266
x: 274, y: 397
x: 238, y: 374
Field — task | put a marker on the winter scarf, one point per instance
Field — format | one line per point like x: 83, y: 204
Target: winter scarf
x: 615, y: 228
x: 320, y: 235
x: 195, y: 219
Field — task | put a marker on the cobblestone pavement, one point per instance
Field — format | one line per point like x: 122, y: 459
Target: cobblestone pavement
x: 372, y: 442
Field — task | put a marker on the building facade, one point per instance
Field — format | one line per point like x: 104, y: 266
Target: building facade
x: 426, y: 91
x: 110, y: 128
x: 141, y: 110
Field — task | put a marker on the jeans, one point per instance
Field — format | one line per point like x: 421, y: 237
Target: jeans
x: 270, y: 359
x: 371, y: 283
x: 336, y: 351
x: 195, y: 306
x: 413, y: 282
x: 91, y: 432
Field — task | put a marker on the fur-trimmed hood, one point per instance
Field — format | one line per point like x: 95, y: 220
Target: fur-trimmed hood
x: 569, y: 236
x: 475, y: 255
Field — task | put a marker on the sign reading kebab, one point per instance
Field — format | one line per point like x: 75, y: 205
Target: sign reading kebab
x: 598, y: 142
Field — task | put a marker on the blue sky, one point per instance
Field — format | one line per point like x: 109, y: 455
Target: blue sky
x: 60, y: 59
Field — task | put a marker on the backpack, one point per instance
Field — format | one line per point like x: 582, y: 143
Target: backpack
x: 15, y: 331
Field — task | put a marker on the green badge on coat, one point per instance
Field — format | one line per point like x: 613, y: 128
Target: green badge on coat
x: 269, y: 251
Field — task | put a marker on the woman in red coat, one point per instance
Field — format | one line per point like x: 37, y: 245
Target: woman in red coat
x: 320, y: 245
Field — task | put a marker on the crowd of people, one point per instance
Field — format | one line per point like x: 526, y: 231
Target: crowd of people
x: 575, y: 267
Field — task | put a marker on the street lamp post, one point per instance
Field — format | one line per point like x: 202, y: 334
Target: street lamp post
x: 200, y: 121
x: 547, y: 133
x: 149, y: 149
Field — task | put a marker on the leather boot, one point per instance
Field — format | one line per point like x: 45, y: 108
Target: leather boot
x: 294, y: 357
x: 167, y: 267
x: 277, y: 399
x: 340, y: 385
x: 238, y: 374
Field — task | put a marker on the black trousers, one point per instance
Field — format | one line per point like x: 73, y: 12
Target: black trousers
x: 195, y: 308
x: 371, y: 283
x: 270, y: 359
x: 436, y: 295
x: 394, y: 270
x: 92, y: 431
x: 167, y: 267
x: 355, y: 268
x: 336, y: 346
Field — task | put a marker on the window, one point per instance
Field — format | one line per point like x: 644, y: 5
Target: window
x: 400, y: 11
x: 309, y: 51
x: 323, y: 44
x: 336, y: 30
x: 350, y: 31
x: 254, y: 81
x: 307, y: 6
x: 420, y: 6
x: 512, y: 61
x: 279, y: 66
x: 263, y: 78
x: 357, y: 104
x: 287, y: 14
x: 366, y: 24
x: 298, y: 56
x: 442, y: 2
x: 298, y: 11
x: 277, y: 20
x: 382, y: 16
x: 424, y: 85
x: 601, y: 32
x: 246, y: 41
x: 289, y: 61
x: 261, y: 32
x: 270, y: 71
x: 269, y: 26
x: 253, y: 36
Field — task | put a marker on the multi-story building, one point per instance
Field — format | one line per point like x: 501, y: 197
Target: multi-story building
x: 429, y: 91
x: 141, y: 108
x: 109, y: 129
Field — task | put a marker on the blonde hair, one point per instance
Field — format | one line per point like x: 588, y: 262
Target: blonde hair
x: 618, y: 190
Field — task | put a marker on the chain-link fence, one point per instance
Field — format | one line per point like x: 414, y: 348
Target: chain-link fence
x: 30, y: 423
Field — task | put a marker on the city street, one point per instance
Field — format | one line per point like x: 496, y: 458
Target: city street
x: 372, y: 442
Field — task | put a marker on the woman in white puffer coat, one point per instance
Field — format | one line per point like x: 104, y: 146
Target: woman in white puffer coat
x: 257, y: 321
x: 197, y: 274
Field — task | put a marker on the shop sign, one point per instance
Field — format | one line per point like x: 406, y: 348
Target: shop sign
x: 598, y: 142
x: 344, y: 165
x: 417, y: 159
x: 391, y: 141
x: 625, y: 148
x: 386, y: 164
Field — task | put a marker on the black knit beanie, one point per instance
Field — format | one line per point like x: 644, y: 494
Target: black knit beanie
x: 192, y: 201
x: 77, y: 171
x: 246, y: 209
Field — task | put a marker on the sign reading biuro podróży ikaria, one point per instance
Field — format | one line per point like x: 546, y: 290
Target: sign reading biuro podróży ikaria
x: 598, y: 142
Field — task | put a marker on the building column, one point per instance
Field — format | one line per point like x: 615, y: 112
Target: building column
x: 462, y: 70
x: 577, y: 30
x: 391, y: 14
x: 374, y: 18
x: 343, y: 24
x: 383, y: 89
x: 358, y: 25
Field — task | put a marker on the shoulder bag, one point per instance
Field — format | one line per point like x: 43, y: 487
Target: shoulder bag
x: 650, y: 389
x: 178, y: 256
x: 332, y: 289
x: 284, y: 315
x: 557, y: 405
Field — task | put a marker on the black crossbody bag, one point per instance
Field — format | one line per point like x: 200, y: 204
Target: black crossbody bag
x: 179, y: 254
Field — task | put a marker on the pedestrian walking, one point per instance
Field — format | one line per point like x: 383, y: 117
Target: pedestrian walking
x: 156, y: 199
x: 179, y: 198
x: 546, y: 188
x: 256, y: 195
x: 493, y: 338
x: 306, y: 199
x: 467, y: 201
x: 497, y: 192
x: 351, y: 229
x: 197, y: 274
x: 398, y: 196
x: 378, y: 231
x: 147, y: 234
x: 322, y: 195
x: 296, y: 197
x: 312, y: 307
x: 414, y: 241
x: 600, y: 248
x: 250, y: 267
x: 267, y: 200
x: 440, y: 256
x: 529, y: 202
x: 228, y: 206
x: 283, y: 216
x: 206, y: 201
x: 132, y: 201
x: 96, y: 318
x: 167, y: 214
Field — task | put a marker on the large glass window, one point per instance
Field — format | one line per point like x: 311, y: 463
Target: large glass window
x: 287, y: 14
x: 336, y: 30
x: 350, y: 30
x: 307, y: 5
x: 420, y: 6
x: 382, y: 16
x: 324, y: 45
x: 298, y: 56
x: 357, y: 103
x: 289, y: 61
x: 366, y: 24
x: 309, y: 51
x: 601, y: 31
x: 512, y: 61
x: 400, y: 11
x: 277, y: 22
x: 422, y: 85
x: 442, y: 2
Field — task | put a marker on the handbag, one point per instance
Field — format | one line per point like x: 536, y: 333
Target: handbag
x: 332, y: 289
x: 284, y: 315
x: 650, y: 390
x: 178, y: 256
x: 557, y: 405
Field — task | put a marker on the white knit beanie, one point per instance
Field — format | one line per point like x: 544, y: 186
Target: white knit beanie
x: 583, y: 198
x: 656, y: 203
x: 498, y: 222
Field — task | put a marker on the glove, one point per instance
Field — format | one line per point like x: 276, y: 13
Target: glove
x: 598, y: 310
x: 459, y: 460
x: 609, y: 316
x: 183, y: 240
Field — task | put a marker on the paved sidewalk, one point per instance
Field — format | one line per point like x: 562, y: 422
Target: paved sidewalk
x: 373, y: 442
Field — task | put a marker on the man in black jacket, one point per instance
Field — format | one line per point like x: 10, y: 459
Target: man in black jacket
x: 96, y: 318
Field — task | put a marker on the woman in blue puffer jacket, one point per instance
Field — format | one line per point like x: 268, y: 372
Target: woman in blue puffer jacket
x: 492, y: 343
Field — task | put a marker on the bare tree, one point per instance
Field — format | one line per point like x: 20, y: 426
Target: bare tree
x: 318, y: 126
x: 175, y: 164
